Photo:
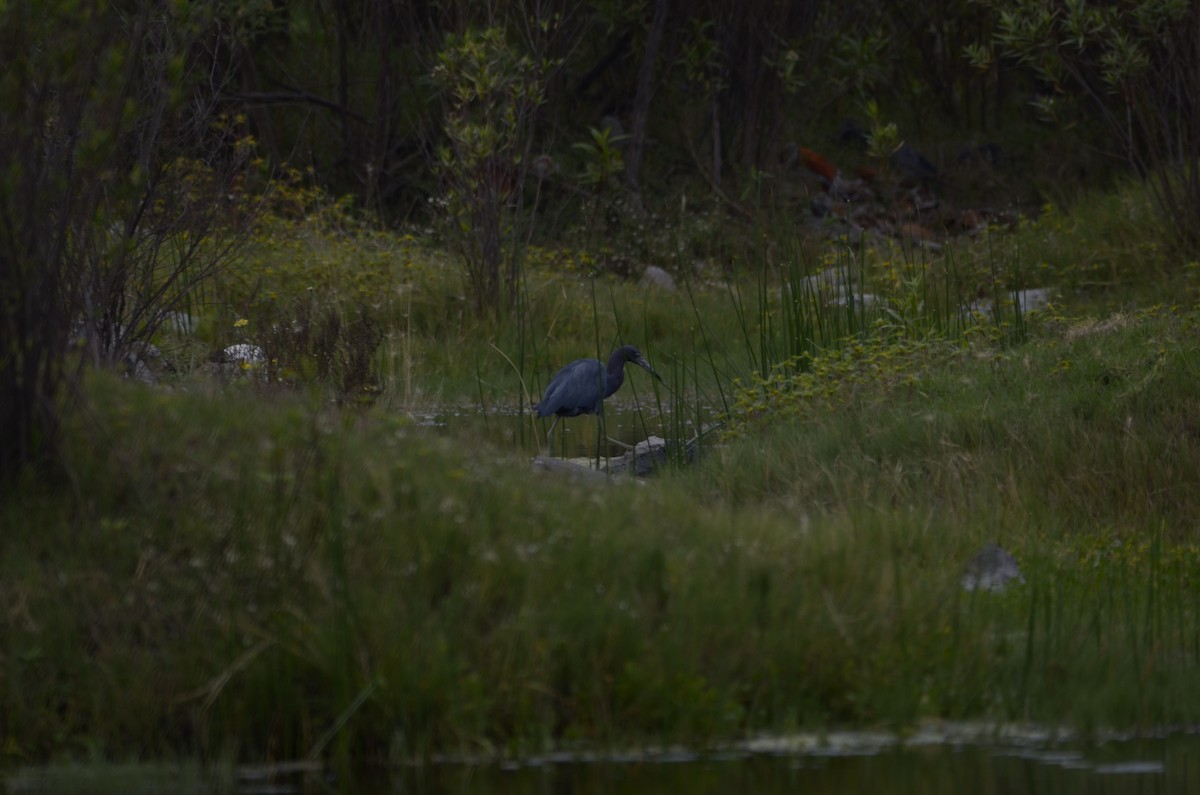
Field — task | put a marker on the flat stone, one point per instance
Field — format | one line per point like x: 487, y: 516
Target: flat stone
x: 642, y: 459
x: 569, y: 469
x: 992, y: 569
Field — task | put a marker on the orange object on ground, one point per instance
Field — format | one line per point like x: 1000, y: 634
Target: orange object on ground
x: 818, y: 164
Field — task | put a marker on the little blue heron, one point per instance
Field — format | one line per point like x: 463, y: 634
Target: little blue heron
x: 581, y: 386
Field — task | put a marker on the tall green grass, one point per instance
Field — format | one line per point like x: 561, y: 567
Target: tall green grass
x: 249, y: 578
x: 265, y: 573
x: 381, y: 315
x: 814, y: 299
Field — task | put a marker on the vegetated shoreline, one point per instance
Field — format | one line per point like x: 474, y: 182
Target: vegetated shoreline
x: 231, y: 574
x: 261, y: 556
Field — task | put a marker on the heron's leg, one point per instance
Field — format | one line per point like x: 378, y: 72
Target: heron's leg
x: 604, y: 430
x: 549, y: 433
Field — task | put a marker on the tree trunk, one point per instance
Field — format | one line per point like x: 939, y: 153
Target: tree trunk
x: 641, y: 101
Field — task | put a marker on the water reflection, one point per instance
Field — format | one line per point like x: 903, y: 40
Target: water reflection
x: 1163, y: 766
x: 1132, y: 768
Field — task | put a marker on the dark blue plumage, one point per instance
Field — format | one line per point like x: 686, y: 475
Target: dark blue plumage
x: 581, y: 386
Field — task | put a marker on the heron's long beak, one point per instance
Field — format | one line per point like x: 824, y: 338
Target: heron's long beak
x: 641, y: 360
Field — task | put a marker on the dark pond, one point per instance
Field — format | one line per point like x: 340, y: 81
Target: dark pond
x: 1128, y: 767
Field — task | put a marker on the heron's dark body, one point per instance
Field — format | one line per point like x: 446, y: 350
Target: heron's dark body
x: 582, y: 386
x: 578, y: 388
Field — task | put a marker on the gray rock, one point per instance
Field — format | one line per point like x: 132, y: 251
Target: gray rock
x: 244, y: 354
x: 241, y: 359
x: 1034, y: 299
x: 643, y: 459
x: 657, y: 277
x: 829, y: 279
x: 862, y: 301
x: 136, y: 369
x: 992, y: 569
x: 143, y: 362
x: 568, y: 469
x: 648, y: 456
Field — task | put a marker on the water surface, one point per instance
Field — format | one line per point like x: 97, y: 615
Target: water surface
x: 1170, y: 765
x: 574, y: 437
x: 853, y: 763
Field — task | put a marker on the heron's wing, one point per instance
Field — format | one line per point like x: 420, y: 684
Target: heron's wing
x: 575, y: 388
x: 589, y: 385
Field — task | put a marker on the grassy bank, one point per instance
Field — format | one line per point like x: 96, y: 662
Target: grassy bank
x: 283, y: 562
x: 253, y: 573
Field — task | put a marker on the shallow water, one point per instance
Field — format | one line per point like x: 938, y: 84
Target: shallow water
x: 932, y: 764
x: 1170, y: 765
x: 574, y: 437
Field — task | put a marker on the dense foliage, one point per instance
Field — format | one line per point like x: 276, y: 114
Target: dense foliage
x: 128, y: 125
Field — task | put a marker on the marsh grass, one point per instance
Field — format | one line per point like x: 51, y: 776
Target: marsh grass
x: 265, y: 573
x: 378, y: 315
x: 815, y: 301
x: 257, y: 578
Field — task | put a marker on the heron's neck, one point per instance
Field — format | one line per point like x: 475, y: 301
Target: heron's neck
x: 616, y: 374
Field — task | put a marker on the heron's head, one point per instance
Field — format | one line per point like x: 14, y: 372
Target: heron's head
x: 632, y: 354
